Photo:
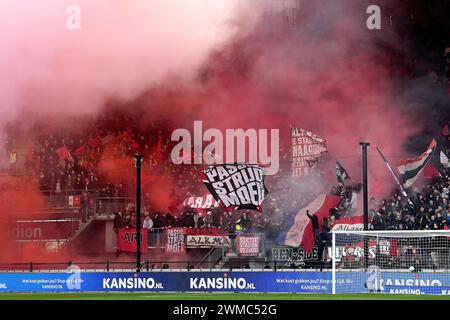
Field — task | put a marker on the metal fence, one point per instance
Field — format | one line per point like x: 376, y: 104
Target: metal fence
x: 103, y: 204
x: 147, y: 265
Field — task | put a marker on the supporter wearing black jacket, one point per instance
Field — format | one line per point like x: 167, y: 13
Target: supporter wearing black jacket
x: 326, y: 232
x: 315, y: 223
x: 378, y: 222
x: 118, y: 221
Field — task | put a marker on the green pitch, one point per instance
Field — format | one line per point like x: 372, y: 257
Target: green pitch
x: 211, y: 296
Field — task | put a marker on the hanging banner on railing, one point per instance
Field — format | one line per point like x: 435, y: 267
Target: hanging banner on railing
x: 175, y: 240
x: 207, y: 241
x: 248, y: 245
x: 126, y: 240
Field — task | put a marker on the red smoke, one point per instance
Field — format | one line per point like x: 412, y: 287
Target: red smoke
x: 17, y: 198
x: 328, y: 75
x: 333, y: 79
x: 154, y: 183
x: 180, y: 62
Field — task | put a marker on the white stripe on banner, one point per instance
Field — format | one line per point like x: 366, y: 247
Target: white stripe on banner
x: 411, y: 168
x: 414, y: 165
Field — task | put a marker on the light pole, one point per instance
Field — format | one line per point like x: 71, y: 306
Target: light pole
x: 138, y: 158
x: 364, y: 146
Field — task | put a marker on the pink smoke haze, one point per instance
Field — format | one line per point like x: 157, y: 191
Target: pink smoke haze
x: 227, y: 63
x: 122, y: 48
x: 329, y: 78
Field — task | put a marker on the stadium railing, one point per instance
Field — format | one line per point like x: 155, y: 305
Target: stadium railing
x: 147, y: 265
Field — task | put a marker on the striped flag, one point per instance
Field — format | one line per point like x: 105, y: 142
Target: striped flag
x: 301, y: 231
x: 410, y: 168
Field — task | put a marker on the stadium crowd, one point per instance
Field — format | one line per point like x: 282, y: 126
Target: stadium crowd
x: 78, y: 171
x: 426, y: 210
x: 63, y: 161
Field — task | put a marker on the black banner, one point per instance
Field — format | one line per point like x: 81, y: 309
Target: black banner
x: 236, y: 186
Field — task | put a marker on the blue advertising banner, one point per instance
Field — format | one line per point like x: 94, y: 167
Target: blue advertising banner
x: 437, y: 283
x: 307, y: 282
x: 249, y: 281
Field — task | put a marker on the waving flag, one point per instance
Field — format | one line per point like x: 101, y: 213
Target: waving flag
x: 301, y: 231
x: 199, y: 204
x: 64, y: 153
x: 410, y: 168
x: 236, y: 186
x: 402, y: 188
x: 341, y: 173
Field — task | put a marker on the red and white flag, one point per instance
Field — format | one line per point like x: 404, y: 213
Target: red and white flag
x: 411, y: 168
x: 301, y: 232
x: 204, y: 202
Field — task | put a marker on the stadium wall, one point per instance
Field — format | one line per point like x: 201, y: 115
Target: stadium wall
x: 214, y: 281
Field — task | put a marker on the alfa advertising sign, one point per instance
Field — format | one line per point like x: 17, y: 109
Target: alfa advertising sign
x: 257, y: 281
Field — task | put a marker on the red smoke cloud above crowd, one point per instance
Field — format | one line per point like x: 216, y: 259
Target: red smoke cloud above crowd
x: 227, y: 64
x: 121, y: 49
x: 322, y: 72
x: 325, y: 72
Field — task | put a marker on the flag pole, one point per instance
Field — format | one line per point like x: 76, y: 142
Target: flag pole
x: 397, y: 180
x: 138, y: 158
x: 394, y: 175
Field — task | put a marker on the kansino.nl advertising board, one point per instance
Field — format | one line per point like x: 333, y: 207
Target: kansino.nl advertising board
x: 295, y: 282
